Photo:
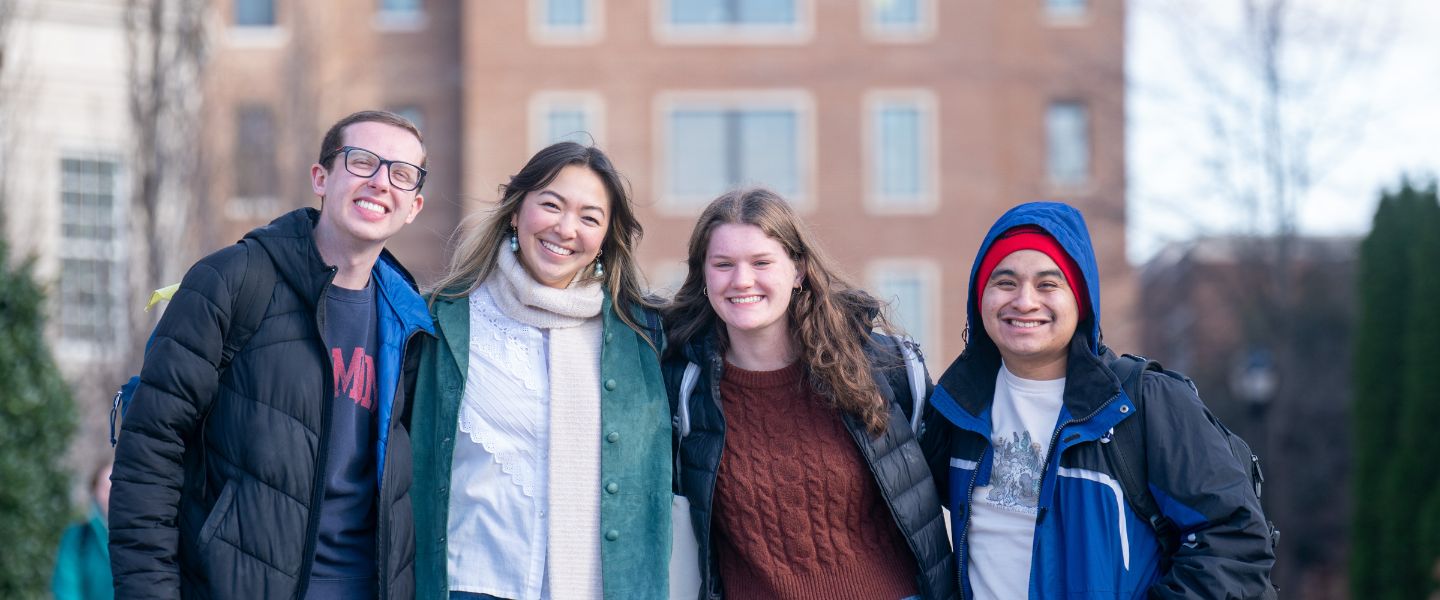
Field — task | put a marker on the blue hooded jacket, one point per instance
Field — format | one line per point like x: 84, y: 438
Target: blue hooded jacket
x: 1089, y: 543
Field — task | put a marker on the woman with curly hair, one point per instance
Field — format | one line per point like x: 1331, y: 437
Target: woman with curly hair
x: 804, y: 477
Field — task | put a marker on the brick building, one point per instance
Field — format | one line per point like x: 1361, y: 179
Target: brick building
x: 899, y: 128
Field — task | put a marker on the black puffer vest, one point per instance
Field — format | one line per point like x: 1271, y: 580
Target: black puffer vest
x: 894, y: 458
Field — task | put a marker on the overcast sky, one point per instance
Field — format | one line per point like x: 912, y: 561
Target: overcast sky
x: 1385, y: 115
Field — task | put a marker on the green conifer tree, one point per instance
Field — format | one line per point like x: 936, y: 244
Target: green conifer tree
x: 1395, y: 353
x: 1416, y: 468
x: 36, y: 420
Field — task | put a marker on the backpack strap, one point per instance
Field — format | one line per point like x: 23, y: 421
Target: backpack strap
x: 687, y: 387
x: 251, y: 301
x: 680, y: 417
x: 915, y: 374
x: 249, y: 306
x: 1127, y: 445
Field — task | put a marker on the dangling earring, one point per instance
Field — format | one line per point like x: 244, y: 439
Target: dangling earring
x: 599, y: 266
x: 514, y: 240
x: 705, y: 291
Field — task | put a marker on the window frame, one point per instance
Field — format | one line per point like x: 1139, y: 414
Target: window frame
x: 400, y: 21
x: 114, y: 252
x: 922, y: 31
x: 238, y: 206
x: 930, y: 275
x: 667, y: 32
x: 271, y: 35
x: 543, y: 33
x: 1087, y: 175
x: 927, y: 201
x: 541, y: 103
x: 1058, y: 16
x: 800, y: 101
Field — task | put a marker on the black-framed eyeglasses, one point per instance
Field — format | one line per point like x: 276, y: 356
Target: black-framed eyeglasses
x: 364, y: 163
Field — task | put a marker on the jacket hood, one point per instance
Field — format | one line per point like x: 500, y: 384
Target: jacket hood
x: 1064, y: 223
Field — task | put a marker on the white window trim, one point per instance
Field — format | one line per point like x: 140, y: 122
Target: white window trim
x: 929, y: 271
x: 400, y: 21
x: 255, y: 36
x: 798, y: 100
x: 923, y: 31
x: 1067, y: 17
x: 929, y: 200
x: 590, y: 102
x: 592, y: 32
x: 119, y: 254
x: 667, y: 276
x: 249, y: 208
x: 1059, y: 188
x: 798, y: 33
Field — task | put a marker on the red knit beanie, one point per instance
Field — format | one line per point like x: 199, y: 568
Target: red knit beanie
x: 1032, y: 237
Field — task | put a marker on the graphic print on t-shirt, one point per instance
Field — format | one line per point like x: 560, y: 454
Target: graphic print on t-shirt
x: 1015, y: 480
x: 355, y: 378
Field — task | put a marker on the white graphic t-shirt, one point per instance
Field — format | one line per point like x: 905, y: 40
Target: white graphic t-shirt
x: 1002, y: 514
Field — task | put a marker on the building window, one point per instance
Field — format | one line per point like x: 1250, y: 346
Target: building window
x: 902, y: 153
x: 732, y: 12
x: 911, y: 287
x: 400, y: 15
x: 711, y: 146
x: 566, y: 21
x: 734, y: 21
x: 411, y: 113
x: 91, y: 253
x: 400, y: 6
x: 1066, y: 10
x: 566, y: 116
x: 899, y: 20
x: 1067, y: 140
x: 253, y: 159
x: 254, y: 13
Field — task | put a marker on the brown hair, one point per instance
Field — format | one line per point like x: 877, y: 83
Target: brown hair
x: 482, y: 235
x: 333, y: 138
x: 830, y: 319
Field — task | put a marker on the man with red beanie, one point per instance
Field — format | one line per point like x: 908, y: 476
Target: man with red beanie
x: 1024, y: 436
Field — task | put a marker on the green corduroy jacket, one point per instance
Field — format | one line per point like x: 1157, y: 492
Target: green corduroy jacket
x: 634, y: 454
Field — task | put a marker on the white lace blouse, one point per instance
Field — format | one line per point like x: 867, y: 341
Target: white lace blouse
x: 497, y: 526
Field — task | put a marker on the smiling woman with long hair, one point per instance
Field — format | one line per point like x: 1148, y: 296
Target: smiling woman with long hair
x: 542, y: 458
x: 804, y: 478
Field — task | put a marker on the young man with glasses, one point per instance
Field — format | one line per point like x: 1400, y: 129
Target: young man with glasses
x: 284, y: 473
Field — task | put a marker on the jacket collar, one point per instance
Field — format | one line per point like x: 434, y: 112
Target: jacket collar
x: 452, y: 316
x: 967, y: 388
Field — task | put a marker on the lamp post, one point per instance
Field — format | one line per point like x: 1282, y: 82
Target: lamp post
x: 1254, y: 379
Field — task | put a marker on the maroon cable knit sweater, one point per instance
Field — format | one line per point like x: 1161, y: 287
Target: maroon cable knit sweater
x: 797, y: 512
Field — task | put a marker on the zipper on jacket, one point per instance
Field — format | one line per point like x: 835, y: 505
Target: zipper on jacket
x: 862, y: 440
x: 382, y: 515
x: 960, y: 548
x: 716, y: 367
x: 1040, y: 511
x: 317, y: 489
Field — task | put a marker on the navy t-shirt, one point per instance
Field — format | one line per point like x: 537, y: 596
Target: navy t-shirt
x: 345, y: 561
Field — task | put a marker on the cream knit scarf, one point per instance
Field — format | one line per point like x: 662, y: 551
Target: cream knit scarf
x: 569, y: 318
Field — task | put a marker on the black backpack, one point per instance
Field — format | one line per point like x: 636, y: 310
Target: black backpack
x: 1127, y: 445
x: 250, y: 303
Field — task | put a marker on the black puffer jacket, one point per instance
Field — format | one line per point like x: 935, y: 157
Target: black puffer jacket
x: 225, y: 505
x: 895, y: 459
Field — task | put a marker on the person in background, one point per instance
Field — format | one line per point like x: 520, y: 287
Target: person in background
x: 82, y: 566
x: 804, y: 477
x: 542, y: 456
